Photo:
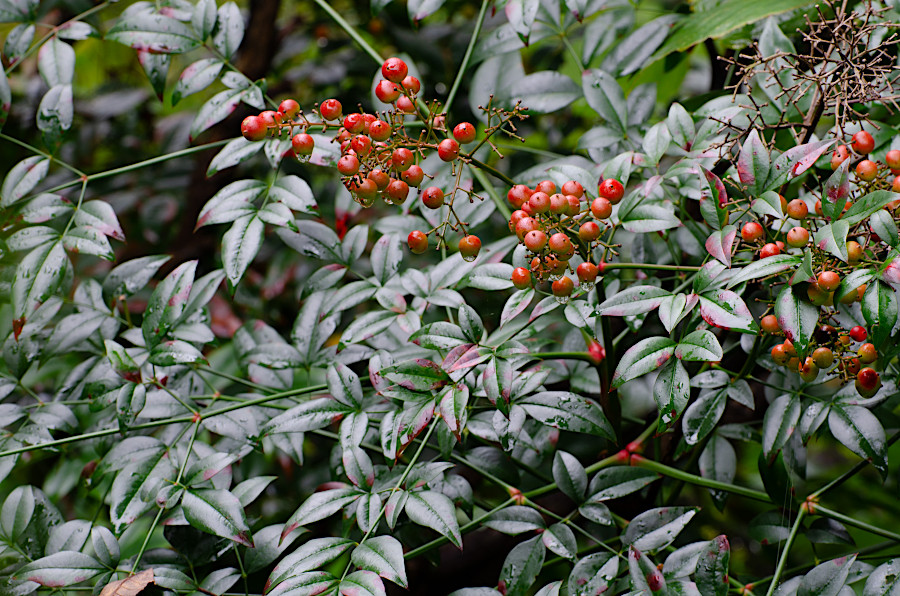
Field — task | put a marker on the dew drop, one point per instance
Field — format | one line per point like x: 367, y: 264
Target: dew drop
x: 587, y: 286
x: 303, y: 158
x: 470, y: 258
x: 562, y: 299
x: 555, y: 276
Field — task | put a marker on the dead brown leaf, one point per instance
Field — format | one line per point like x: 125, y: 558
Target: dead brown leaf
x: 129, y: 586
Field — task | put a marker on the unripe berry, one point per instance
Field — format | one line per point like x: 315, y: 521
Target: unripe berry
x: 464, y: 133
x: 525, y: 225
x: 818, y: 208
x: 253, y: 128
x: 330, y: 109
x: 535, y: 240
x: 518, y: 195
x: 867, y: 170
x: 562, y: 287
x: 769, y: 324
x: 361, y: 144
x: 839, y: 156
x: 863, y: 142
x: 448, y: 150
x: 387, y: 92
x: 779, y: 355
x: 560, y: 243
x: 469, y: 247
x: 611, y: 190
x: 589, y: 231
x: 574, y: 205
x: 808, y: 370
x: 573, y: 188
x: 867, y: 353
x: 797, y: 209
x: 405, y: 105
x: 380, y: 178
x: 587, y: 273
x: 547, y: 186
x: 797, y: 237
x: 867, y: 382
x: 521, y: 278
x: 411, y: 84
x: 895, y: 185
x: 290, y: 108
x: 397, y: 191
x: 769, y: 250
x: 302, y: 144
x: 752, y: 231
x: 354, y: 123
x: 365, y: 189
x: 417, y: 241
x: 829, y: 280
x: 851, y: 365
x: 823, y: 357
x: 401, y: 159
x: 413, y: 176
x: 348, y: 165
x: 601, y: 208
x: 394, y: 70
x: 559, y: 205
x: 854, y: 252
x: 816, y: 295
x: 858, y: 333
x: 539, y: 202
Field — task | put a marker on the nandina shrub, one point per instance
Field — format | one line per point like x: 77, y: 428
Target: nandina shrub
x: 320, y: 319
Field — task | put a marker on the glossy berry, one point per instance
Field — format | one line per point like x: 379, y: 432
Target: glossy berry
x: 867, y: 353
x: 448, y: 150
x: 514, y: 219
x: 587, y: 273
x: 330, y: 109
x: 867, y: 170
x: 270, y: 117
x: 797, y: 237
x: 521, y: 278
x: 858, y: 333
x: 867, y: 381
x: 839, y: 156
x: 253, y: 128
x: 411, y: 84
x: 895, y: 185
x: 779, y: 355
x: 589, y: 231
x: 397, y: 191
x: 547, y: 186
x: 525, y: 225
x: 387, y: 92
x: 852, y: 365
x: 365, y: 189
x: 417, y: 241
x: 573, y: 188
x: 518, y: 194
x: 394, y: 70
x: 559, y: 205
x: 823, y: 357
x: 752, y: 231
x: 535, y: 240
x: 797, y: 209
x: 854, y: 252
x: 380, y: 178
x: 769, y: 250
x: 413, y: 176
x: 354, y: 123
x: 290, y: 108
x: 808, y: 370
x: 539, y: 202
x: 464, y: 133
x: 892, y: 159
x: 380, y: 130
x: 405, y: 105
x: 361, y: 144
x: 560, y: 243
x: 469, y: 246
x: 769, y: 324
x: 863, y: 142
x: 401, y: 159
x: 601, y: 208
x: 829, y: 280
x: 574, y: 205
x: 611, y: 190
x: 348, y: 165
x: 433, y: 197
x: 302, y: 144
x: 816, y: 295
x: 563, y: 287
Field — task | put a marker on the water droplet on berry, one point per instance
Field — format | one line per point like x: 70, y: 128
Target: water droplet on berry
x: 554, y: 276
x: 470, y: 258
x: 303, y: 158
x: 587, y: 286
x: 562, y: 299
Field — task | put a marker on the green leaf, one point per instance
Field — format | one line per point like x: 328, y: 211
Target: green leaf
x: 645, y: 356
x: 655, y: 529
x: 131, y: 276
x: 544, y: 92
x: 311, y: 415
x: 88, y: 241
x: 319, y: 506
x: 434, y: 510
x: 217, y: 512
x: 229, y: 29
x: 522, y: 565
x: 196, y: 77
x: 231, y: 202
x: 796, y: 317
x: 452, y: 405
x: 861, y: 432
x: 641, y: 569
x: 56, y: 62
x: 569, y: 475
x: 560, y: 540
x: 880, y: 308
x: 671, y: 390
x: 567, y: 411
x: 55, y: 113
x: 674, y: 308
x: 633, y: 301
x: 101, y: 216
x: 167, y: 303
x: 154, y: 32
x: 121, y: 362
x: 795, y: 161
x: 172, y: 352
x: 38, y: 275
x: 294, y: 192
x: 417, y: 375
x: 22, y: 178
x: 727, y: 310
x: 832, y: 238
x: 851, y: 282
x: 827, y: 579
x: 882, y: 223
x: 309, y: 556
x: 702, y: 416
x: 718, y: 461
x: 884, y: 580
x: 753, y: 163
x: 384, y: 556
x: 344, y: 385
x: 16, y: 512
x: 240, y: 244
x: 712, y: 567
x: 768, y: 203
x: 156, y: 67
x: 779, y: 423
x: 439, y: 335
x: 805, y: 272
x: 865, y: 206
x: 220, y: 106
x: 712, y: 199
x: 593, y: 574
x: 699, y: 346
x: 61, y: 569
x: 515, y: 520
x: 635, y: 51
x: 236, y: 151
x: 647, y: 217
x: 5, y: 105
x: 616, y: 482
x: 606, y: 98
x: 836, y: 191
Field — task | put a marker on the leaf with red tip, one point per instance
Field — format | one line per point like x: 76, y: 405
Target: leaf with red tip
x: 796, y: 317
x: 753, y: 163
x: 712, y: 567
x: 217, y: 512
x: 720, y: 243
x: 726, y: 309
x: 641, y: 358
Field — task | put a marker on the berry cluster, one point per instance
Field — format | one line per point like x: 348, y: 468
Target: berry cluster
x: 378, y: 157
x: 549, y: 223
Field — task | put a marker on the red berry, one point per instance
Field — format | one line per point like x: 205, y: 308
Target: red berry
x: 559, y: 204
x: 563, y: 287
x: 270, y: 117
x: 797, y: 237
x: 330, y: 109
x: 417, y: 241
x: 302, y: 143
x: 361, y: 144
x: 469, y: 246
x: 380, y: 178
x: 574, y: 205
x: 535, y: 240
x: 411, y: 84
x: 546, y: 186
x: 867, y: 353
x: 521, y: 278
x: 394, y: 70
x: 858, y: 333
x: 397, y: 191
x: 868, y: 380
x: 611, y: 190
x: 525, y: 225
x: 867, y: 170
x: 387, y: 92
x: 863, y: 142
x: 539, y: 202
x: 413, y: 176
x: 514, y: 219
x: 355, y: 123
x: 797, y: 209
x: 601, y: 208
x: 839, y: 156
x: 828, y: 280
x: 892, y: 159
x: 348, y: 165
x: 752, y: 231
x: 464, y: 133
x: 560, y: 243
x: 380, y: 130
x: 518, y: 195
x: 433, y: 197
x: 405, y: 105
x: 253, y: 128
x: 587, y: 273
x: 290, y: 108
x: 589, y: 231
x: 769, y: 250
x: 448, y: 150
x: 769, y: 324
x: 401, y: 159
x: 573, y: 188
x: 823, y: 357
x: 365, y: 189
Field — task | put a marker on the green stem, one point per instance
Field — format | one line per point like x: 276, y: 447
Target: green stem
x: 861, y: 465
x: 652, y: 266
x: 563, y: 355
x: 350, y: 30
x: 465, y: 61
x: 850, y: 521
x: 677, y: 474
x: 157, y: 423
x: 489, y: 188
x: 37, y: 151
x: 492, y: 171
x: 779, y: 569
